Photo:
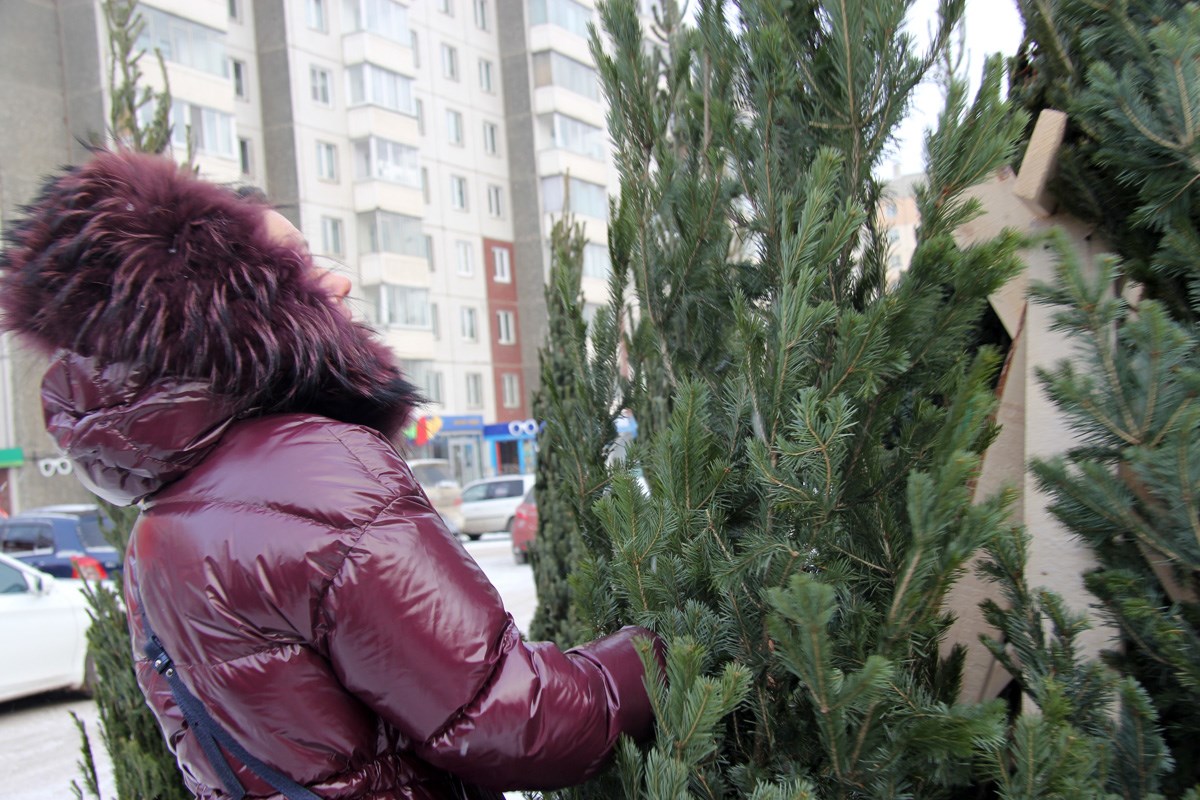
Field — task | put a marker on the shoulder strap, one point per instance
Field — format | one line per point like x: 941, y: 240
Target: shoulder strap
x: 210, y: 733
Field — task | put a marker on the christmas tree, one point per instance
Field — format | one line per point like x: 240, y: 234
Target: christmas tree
x: 1128, y: 77
x: 808, y: 433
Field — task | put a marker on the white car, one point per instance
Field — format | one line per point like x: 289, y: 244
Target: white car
x: 43, y: 632
x: 490, y: 504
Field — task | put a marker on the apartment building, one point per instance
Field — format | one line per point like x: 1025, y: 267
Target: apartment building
x: 422, y: 146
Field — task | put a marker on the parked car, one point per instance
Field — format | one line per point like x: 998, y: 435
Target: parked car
x: 442, y: 489
x: 490, y: 504
x: 54, y: 538
x: 43, y: 624
x: 524, y: 527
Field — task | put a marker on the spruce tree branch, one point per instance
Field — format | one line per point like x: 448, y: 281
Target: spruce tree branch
x: 864, y: 340
x: 839, y: 549
x: 1057, y: 47
x: 1189, y: 122
x: 852, y: 104
x: 1144, y: 129
x: 1169, y: 426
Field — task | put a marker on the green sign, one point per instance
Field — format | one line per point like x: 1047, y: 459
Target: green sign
x: 11, y: 457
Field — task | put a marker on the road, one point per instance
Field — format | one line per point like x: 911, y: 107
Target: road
x: 39, y: 744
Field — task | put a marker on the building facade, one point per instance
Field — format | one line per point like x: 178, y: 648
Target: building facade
x: 424, y: 148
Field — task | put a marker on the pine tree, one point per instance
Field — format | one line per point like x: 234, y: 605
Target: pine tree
x: 1128, y: 77
x: 809, y: 434
x: 143, y: 765
x: 575, y: 401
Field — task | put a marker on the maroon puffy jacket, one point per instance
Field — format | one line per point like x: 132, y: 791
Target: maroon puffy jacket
x: 312, y: 597
x: 308, y: 593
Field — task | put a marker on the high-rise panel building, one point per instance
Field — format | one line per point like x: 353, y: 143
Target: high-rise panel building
x: 422, y: 146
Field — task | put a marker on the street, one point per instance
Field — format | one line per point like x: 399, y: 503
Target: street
x: 39, y: 744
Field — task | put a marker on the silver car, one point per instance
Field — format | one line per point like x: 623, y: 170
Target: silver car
x: 490, y: 504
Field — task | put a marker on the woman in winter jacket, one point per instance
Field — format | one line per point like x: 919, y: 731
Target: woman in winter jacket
x: 306, y: 590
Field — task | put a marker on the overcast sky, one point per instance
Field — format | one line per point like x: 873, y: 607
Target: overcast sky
x: 992, y: 26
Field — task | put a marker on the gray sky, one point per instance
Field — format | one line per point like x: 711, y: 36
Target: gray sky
x: 992, y: 26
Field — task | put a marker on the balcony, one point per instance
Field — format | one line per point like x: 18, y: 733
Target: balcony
x: 556, y: 161
x: 411, y: 343
x: 370, y: 120
x: 363, y: 46
x: 394, y: 268
x: 372, y: 194
x: 548, y: 99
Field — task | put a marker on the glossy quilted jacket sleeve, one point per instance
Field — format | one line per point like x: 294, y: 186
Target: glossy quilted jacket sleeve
x: 417, y: 631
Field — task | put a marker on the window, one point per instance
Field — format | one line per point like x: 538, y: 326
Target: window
x: 382, y: 87
x: 446, y: 7
x: 27, y: 538
x: 458, y: 193
x: 237, y: 69
x: 464, y: 257
x: 332, y: 239
x: 316, y: 15
x: 425, y: 185
x: 552, y: 68
x: 404, y: 306
x: 889, y: 209
x: 495, y: 201
x: 577, y: 136
x: 419, y: 106
x: 434, y: 322
x: 481, y: 14
x: 321, y: 85
x: 449, y: 62
x: 596, y: 263
x: 474, y: 390
x: 454, y: 127
x: 512, y: 390
x: 12, y: 581
x: 244, y: 158
x: 376, y: 158
x: 489, y: 138
x: 387, y: 232
x: 235, y: 10
x: 183, y: 41
x: 429, y: 252
x: 327, y: 158
x: 386, y: 18
x: 566, y: 14
x: 429, y: 381
x: 485, y: 75
x: 415, y: 44
x: 893, y: 236
x: 210, y: 130
x: 503, y: 264
x: 506, y: 328
x: 469, y: 323
x: 589, y: 199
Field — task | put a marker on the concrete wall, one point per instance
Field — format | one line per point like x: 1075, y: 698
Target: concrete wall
x: 51, y: 101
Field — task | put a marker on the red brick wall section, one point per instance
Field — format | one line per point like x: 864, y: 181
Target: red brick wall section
x: 506, y: 358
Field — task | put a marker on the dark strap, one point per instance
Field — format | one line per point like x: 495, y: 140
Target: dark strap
x: 210, y: 733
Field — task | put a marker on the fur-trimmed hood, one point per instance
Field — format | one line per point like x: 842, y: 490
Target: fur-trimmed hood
x: 133, y: 263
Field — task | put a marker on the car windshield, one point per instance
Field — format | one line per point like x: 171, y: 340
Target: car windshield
x: 90, y: 533
x: 431, y: 474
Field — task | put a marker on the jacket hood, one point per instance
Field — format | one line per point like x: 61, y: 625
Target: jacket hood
x: 126, y: 437
x: 132, y: 260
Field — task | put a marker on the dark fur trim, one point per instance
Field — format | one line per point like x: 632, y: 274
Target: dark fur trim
x: 132, y: 259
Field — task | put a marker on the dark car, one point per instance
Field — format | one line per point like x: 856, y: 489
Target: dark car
x: 65, y: 541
